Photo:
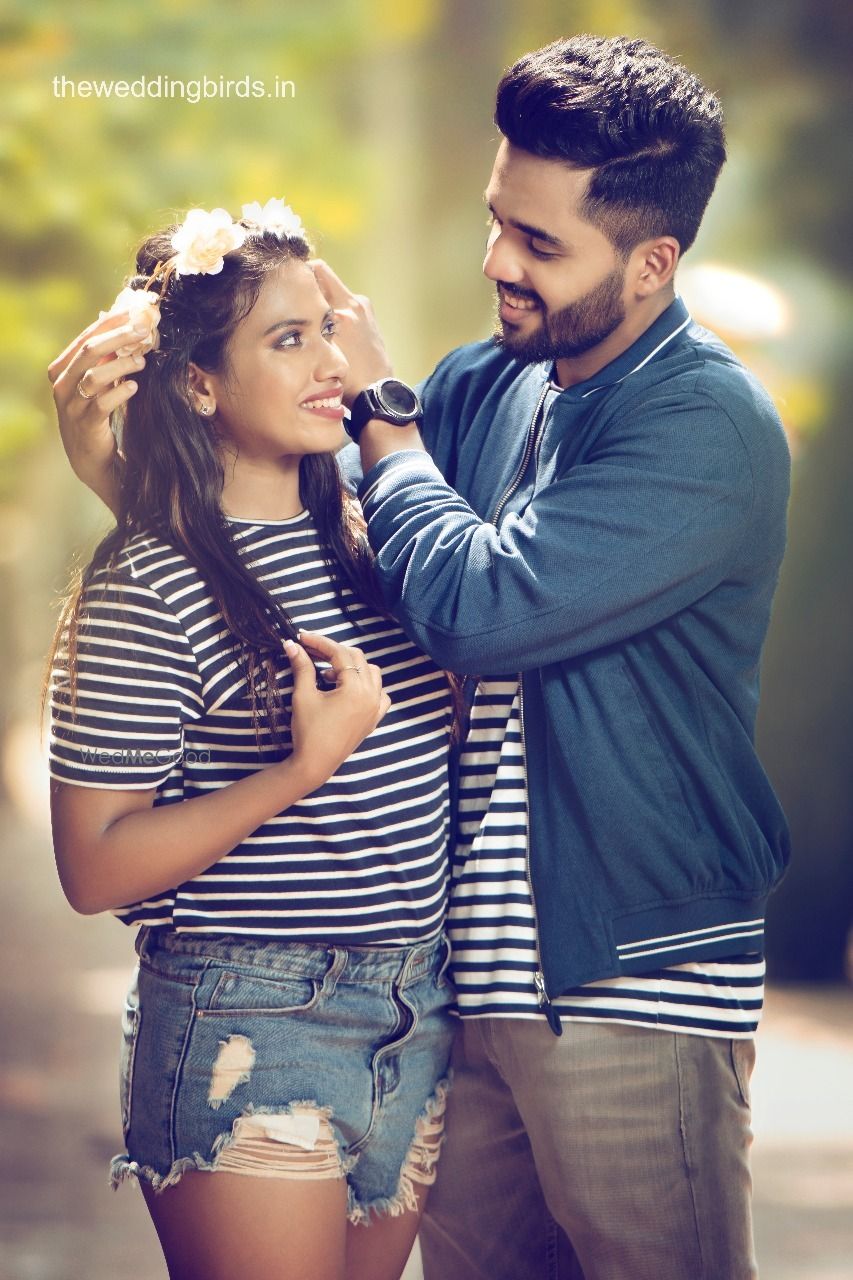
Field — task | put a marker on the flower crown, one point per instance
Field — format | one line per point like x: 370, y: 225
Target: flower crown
x: 200, y: 244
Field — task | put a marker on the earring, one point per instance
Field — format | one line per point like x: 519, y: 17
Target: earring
x: 206, y: 409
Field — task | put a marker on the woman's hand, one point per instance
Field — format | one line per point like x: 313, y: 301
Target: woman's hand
x: 327, y: 726
x: 87, y: 386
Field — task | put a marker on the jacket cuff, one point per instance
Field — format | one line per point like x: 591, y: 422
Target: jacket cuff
x: 395, y: 473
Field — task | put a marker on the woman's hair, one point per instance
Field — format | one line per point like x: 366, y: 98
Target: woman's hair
x: 171, y: 479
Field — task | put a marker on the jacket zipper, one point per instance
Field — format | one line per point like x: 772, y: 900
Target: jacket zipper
x: 544, y: 1001
x: 528, y: 449
x: 513, y: 485
x: 553, y: 1018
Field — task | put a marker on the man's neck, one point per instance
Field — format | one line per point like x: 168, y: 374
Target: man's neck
x: 575, y: 369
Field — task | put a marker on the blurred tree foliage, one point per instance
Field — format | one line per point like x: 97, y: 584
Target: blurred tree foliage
x: 384, y: 151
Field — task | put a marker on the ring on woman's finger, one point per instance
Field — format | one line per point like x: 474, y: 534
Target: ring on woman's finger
x: 86, y: 395
x: 351, y: 668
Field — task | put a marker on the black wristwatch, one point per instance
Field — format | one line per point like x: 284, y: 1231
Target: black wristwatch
x: 388, y: 399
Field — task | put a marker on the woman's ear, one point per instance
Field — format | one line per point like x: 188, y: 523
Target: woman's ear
x: 202, y: 398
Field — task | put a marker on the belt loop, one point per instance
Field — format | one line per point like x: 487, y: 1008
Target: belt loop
x: 413, y: 966
x: 405, y: 971
x: 338, y: 963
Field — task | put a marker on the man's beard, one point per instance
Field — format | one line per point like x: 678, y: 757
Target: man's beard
x: 572, y: 330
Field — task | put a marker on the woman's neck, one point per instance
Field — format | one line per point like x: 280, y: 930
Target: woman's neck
x: 257, y: 489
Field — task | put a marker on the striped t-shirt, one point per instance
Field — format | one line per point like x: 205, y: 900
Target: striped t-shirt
x: 162, y: 702
x: 492, y: 925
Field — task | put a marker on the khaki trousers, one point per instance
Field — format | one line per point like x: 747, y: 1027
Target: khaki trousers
x: 609, y: 1153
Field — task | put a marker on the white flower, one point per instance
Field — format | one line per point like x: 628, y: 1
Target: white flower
x: 143, y: 308
x: 203, y: 240
x: 275, y: 216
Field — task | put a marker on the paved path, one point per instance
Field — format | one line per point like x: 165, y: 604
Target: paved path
x: 62, y: 978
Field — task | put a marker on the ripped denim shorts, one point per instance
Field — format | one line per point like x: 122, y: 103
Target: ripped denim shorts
x: 286, y: 1059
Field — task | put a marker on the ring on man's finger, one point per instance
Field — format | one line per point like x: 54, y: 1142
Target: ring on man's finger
x: 86, y: 395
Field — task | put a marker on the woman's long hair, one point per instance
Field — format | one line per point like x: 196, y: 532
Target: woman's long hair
x: 172, y: 477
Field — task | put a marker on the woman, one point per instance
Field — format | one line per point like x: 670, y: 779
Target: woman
x: 281, y: 845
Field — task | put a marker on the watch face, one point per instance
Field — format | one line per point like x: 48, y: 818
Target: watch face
x: 397, y: 397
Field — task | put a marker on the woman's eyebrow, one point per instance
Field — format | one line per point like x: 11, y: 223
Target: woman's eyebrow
x: 295, y: 324
x: 284, y: 324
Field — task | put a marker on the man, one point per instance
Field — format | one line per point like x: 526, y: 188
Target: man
x: 597, y: 534
x: 591, y: 521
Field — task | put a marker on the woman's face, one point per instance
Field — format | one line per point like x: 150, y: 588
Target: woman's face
x: 280, y: 393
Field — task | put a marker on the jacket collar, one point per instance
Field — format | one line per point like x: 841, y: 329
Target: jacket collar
x: 656, y: 339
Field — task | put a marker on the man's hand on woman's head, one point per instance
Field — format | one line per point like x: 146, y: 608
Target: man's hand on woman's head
x: 89, y: 382
x: 357, y: 334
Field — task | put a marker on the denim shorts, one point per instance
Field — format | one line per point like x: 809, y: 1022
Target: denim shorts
x: 338, y: 1054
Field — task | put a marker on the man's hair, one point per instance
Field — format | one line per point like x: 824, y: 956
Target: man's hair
x: 649, y: 129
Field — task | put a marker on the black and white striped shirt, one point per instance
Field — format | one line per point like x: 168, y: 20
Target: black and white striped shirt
x: 162, y: 703
x: 491, y: 921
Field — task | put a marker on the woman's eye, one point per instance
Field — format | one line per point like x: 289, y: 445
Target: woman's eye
x: 290, y: 340
x: 330, y: 328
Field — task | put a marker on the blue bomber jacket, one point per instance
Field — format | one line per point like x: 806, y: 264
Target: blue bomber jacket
x: 632, y: 593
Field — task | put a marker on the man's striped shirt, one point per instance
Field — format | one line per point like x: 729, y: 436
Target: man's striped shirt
x: 492, y: 924
x: 162, y: 703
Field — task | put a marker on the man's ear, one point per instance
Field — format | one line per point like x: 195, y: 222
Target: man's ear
x: 653, y: 264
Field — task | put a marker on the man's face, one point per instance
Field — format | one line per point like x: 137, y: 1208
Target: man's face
x: 560, y: 281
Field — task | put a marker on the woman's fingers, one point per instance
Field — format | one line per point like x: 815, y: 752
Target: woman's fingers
x: 345, y: 660
x: 100, y: 351
x: 342, y: 657
x: 110, y: 400
x: 321, y: 643
x: 117, y: 320
x: 100, y: 377
x: 301, y: 666
x: 86, y: 354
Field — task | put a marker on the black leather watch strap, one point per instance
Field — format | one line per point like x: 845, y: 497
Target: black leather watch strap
x: 371, y: 403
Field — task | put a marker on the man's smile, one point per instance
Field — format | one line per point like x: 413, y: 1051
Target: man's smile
x: 512, y: 305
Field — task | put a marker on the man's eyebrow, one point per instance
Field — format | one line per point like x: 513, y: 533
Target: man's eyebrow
x: 537, y: 233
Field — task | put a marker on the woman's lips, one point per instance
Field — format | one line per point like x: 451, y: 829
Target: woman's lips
x: 330, y: 407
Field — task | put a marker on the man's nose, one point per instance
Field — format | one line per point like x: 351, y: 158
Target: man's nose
x: 501, y: 261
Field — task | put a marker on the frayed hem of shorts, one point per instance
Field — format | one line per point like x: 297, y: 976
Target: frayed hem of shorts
x: 123, y: 1169
x: 404, y: 1199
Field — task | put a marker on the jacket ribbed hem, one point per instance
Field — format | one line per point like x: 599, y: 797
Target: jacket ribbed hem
x: 656, y: 937
x: 699, y: 929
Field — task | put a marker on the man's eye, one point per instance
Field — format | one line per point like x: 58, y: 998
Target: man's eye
x: 538, y: 253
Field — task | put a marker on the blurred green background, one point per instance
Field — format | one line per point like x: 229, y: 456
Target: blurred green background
x: 384, y: 149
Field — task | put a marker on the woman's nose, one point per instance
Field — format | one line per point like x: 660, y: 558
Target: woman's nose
x: 333, y: 363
